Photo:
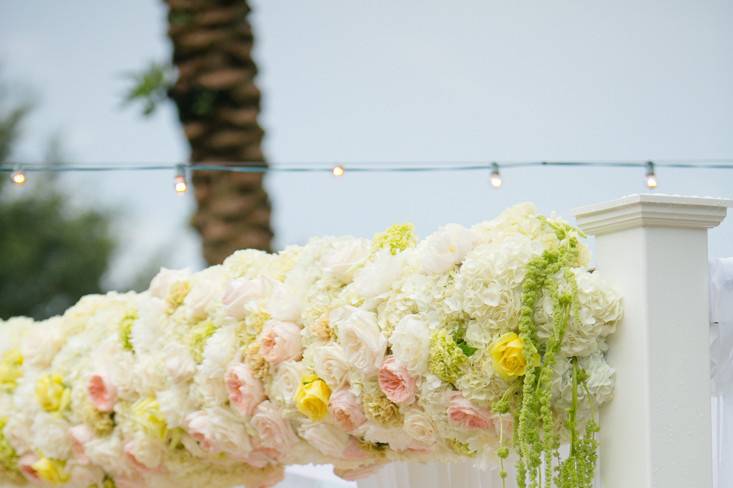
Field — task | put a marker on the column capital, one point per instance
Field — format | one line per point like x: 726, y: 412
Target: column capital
x: 652, y: 210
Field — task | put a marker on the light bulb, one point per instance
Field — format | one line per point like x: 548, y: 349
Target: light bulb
x: 651, y: 176
x: 495, y: 177
x: 18, y: 177
x: 338, y: 170
x: 181, y: 185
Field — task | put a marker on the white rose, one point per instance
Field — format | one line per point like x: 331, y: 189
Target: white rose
x: 161, y: 284
x: 420, y: 427
x: 377, y: 277
x: 360, y: 337
x: 446, y: 247
x: 179, y: 364
x: 286, y: 381
x: 328, y: 439
x: 330, y: 364
x: 341, y: 263
x: 411, y: 344
x: 243, y: 293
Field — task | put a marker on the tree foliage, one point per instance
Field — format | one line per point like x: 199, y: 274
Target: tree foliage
x: 51, y: 252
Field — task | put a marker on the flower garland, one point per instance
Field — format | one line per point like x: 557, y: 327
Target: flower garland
x: 475, y: 342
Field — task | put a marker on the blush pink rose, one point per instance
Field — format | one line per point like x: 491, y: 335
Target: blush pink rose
x: 346, y: 410
x: 358, y: 473
x: 102, y: 393
x: 80, y: 435
x: 354, y: 451
x: 396, y: 382
x: 129, y: 450
x: 273, y: 430
x: 260, y: 457
x: 267, y: 478
x: 465, y: 414
x: 25, y: 463
x: 280, y: 341
x: 245, y: 390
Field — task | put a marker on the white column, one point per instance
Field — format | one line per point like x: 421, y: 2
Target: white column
x: 654, y: 250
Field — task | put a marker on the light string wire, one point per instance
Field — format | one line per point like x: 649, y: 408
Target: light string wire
x: 356, y: 167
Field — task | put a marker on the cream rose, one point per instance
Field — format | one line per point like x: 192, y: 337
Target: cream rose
x: 241, y: 293
x: 280, y: 341
x: 360, y: 338
x: 331, y: 364
x: 445, y: 248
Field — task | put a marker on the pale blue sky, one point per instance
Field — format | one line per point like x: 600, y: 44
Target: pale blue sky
x: 417, y: 80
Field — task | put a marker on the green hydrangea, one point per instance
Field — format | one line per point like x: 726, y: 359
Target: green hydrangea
x: 447, y: 360
x: 11, y: 369
x: 125, y: 329
x: 197, y: 337
x: 146, y: 414
x: 396, y: 238
x: 8, y: 457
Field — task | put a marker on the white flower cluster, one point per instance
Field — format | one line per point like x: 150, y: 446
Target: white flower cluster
x: 345, y: 351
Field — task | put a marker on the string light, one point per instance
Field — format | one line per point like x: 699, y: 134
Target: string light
x: 180, y: 181
x: 338, y: 170
x: 495, y: 177
x: 651, y: 176
x: 18, y: 176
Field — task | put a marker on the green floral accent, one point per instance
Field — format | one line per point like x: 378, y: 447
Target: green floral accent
x: 102, y: 423
x: 536, y: 436
x: 106, y: 483
x: 461, y: 448
x: 8, y: 457
x: 125, y: 330
x: 378, y: 408
x: 197, y: 337
x: 447, y: 359
x: 146, y: 414
x: 397, y: 238
x: 11, y: 369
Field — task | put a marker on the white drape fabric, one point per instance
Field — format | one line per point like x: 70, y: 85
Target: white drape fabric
x: 721, y: 354
x: 434, y: 475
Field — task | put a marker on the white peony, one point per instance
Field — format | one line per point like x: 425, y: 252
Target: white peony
x: 342, y: 262
x: 410, y: 343
x: 360, y: 337
x: 378, y: 276
x: 445, y: 248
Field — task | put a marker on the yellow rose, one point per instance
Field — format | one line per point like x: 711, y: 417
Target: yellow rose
x: 51, y: 470
x: 312, y: 396
x: 52, y: 394
x: 507, y: 355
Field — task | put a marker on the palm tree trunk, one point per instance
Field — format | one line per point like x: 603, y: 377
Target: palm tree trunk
x: 218, y: 103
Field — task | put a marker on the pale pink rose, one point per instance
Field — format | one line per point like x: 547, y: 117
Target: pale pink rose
x: 358, y: 473
x: 102, y: 393
x: 129, y: 450
x: 80, y: 435
x: 465, y: 414
x: 354, y: 451
x: 280, y: 341
x: 129, y: 481
x: 239, y: 293
x: 396, y: 381
x: 245, y: 390
x: 261, y: 457
x: 273, y: 430
x: 25, y: 463
x: 346, y: 410
x: 199, y: 428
